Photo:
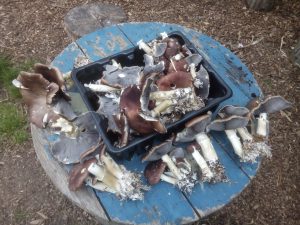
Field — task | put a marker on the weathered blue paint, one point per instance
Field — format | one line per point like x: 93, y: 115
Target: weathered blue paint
x: 65, y: 60
x: 163, y: 203
x: 103, y: 43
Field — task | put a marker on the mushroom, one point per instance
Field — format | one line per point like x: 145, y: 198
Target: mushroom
x: 229, y: 124
x: 196, y: 129
x: 201, y: 83
x: 194, y: 150
x: 102, y: 88
x: 37, y: 94
x: 161, y: 152
x: 79, y: 174
x: 143, y: 46
x: 150, y: 67
x: 260, y: 109
x: 154, y: 172
x: 130, y: 104
x: 84, y: 138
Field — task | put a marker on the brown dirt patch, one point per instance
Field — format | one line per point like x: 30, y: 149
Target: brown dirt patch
x: 33, y: 29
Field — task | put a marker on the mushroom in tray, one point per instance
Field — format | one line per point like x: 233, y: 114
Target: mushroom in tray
x: 196, y: 129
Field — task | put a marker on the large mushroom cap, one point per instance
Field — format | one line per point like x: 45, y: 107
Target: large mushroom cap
x: 229, y: 123
x: 158, y: 151
x: 154, y: 170
x: 70, y: 150
x: 179, y: 79
x: 230, y: 110
x: 50, y: 73
x: 79, y: 173
x: 270, y: 105
x: 199, y: 123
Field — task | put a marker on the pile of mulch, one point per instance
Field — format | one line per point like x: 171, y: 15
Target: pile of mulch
x: 263, y: 41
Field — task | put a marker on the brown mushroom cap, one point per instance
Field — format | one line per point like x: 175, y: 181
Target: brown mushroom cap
x: 122, y: 123
x: 36, y: 95
x: 173, y: 47
x: 158, y: 151
x: 79, y: 173
x: 154, y: 170
x: 50, y: 73
x: 177, y: 79
x: 130, y: 104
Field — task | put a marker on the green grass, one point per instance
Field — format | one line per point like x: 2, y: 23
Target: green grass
x: 13, y: 124
x: 8, y: 72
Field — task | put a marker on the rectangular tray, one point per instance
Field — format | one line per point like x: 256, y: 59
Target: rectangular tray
x: 219, y: 91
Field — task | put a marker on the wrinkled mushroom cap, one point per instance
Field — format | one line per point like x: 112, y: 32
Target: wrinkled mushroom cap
x: 154, y: 170
x: 79, y: 173
x: 158, y: 151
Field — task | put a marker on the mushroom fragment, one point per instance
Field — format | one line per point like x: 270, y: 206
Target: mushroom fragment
x: 154, y: 170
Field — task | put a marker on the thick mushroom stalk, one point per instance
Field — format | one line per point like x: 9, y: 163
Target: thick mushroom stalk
x: 143, y: 46
x: 161, y: 152
x: 262, y: 128
x: 207, y: 174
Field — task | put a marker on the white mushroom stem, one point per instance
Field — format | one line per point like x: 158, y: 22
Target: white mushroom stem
x: 168, y: 179
x: 172, y: 94
x: 163, y: 35
x: 262, y: 125
x: 202, y: 164
x: 193, y: 70
x: 142, y: 45
x: 162, y: 107
x: 112, y: 166
x: 99, y: 186
x: 245, y: 135
x: 101, y: 88
x: 171, y: 165
x: 103, y: 175
x: 235, y: 142
x: 209, y: 153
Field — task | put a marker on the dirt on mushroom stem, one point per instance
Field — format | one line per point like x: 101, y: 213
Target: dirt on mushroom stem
x: 32, y: 29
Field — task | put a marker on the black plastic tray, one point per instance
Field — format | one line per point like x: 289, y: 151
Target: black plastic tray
x: 219, y: 91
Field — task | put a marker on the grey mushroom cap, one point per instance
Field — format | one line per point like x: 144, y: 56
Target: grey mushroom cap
x: 124, y: 77
x: 159, y: 49
x: 64, y: 108
x: 270, y: 105
x: 193, y: 59
x: 70, y: 150
x: 177, y: 153
x: 150, y: 67
x: 158, y: 151
x: 187, y: 135
x: 229, y: 123
x: 230, y: 110
x: 202, y: 83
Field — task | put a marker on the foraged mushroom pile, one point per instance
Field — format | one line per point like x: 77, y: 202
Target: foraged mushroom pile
x: 142, y: 100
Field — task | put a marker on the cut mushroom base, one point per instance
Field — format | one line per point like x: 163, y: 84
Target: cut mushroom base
x: 262, y: 128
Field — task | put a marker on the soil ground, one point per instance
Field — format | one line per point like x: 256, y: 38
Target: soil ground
x: 34, y: 29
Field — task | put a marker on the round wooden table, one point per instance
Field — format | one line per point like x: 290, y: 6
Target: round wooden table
x: 164, y: 203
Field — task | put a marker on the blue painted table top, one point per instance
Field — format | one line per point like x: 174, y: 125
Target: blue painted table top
x: 164, y: 203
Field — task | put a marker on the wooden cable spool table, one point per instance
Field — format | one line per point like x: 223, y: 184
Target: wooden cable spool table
x: 164, y: 203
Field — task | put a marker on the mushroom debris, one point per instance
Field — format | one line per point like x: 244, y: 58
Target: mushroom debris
x: 202, y: 150
x: 169, y: 163
x: 104, y: 174
x: 145, y: 99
